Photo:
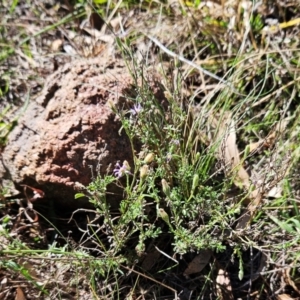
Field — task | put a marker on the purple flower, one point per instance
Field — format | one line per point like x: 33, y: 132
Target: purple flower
x: 120, y: 171
x: 136, y: 109
x: 175, y: 142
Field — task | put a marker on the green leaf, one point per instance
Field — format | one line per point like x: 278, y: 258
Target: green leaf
x: 297, y: 223
x: 241, y: 267
x: 13, y: 6
x: 283, y: 225
x: 12, y: 265
x: 100, y: 1
x: 79, y: 195
x: 6, y: 219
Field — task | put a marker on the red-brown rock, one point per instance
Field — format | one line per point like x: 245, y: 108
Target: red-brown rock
x: 70, y: 134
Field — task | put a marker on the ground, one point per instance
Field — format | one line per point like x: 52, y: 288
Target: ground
x: 149, y: 150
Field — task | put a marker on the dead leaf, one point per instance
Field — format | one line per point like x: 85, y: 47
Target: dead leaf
x: 229, y: 152
x: 275, y: 192
x: 198, y: 263
x: 19, y: 294
x: 284, y: 297
x: 224, y: 288
x: 115, y: 23
x: 253, y: 147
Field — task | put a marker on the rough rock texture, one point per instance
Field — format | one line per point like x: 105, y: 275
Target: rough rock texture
x: 70, y: 130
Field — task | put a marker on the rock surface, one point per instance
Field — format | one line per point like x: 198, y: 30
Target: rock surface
x: 70, y: 134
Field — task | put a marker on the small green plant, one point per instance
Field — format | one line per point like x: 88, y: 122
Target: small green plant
x: 178, y: 183
x: 170, y: 180
x: 256, y: 23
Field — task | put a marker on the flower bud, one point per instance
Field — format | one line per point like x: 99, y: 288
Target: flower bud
x: 144, y: 170
x: 149, y: 158
x: 162, y: 213
x: 140, y: 249
x: 166, y: 188
x: 126, y: 165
